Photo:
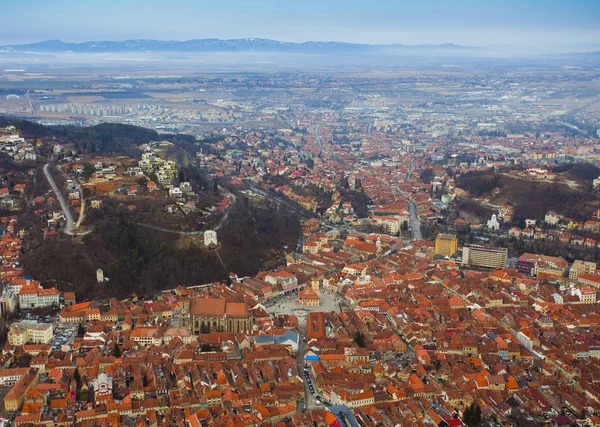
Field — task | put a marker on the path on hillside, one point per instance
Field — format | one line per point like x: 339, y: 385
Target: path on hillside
x: 166, y: 230
x: 64, y: 206
x: 61, y: 201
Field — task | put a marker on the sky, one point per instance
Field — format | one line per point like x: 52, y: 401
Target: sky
x: 531, y: 23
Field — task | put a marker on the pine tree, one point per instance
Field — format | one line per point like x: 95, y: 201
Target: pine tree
x: 117, y: 351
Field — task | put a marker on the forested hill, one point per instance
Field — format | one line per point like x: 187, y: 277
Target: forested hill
x: 105, y: 138
x: 139, y: 259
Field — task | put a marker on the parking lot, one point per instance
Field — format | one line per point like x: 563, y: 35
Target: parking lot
x: 63, y: 335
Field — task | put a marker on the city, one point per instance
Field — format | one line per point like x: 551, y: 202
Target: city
x: 250, y: 232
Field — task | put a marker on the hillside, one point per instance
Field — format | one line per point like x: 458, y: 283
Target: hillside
x: 135, y: 258
x: 142, y: 260
x: 105, y: 138
x: 532, y: 199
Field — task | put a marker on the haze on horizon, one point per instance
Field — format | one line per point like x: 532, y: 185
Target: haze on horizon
x: 536, y: 25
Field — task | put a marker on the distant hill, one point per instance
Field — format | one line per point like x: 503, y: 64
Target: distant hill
x: 219, y: 45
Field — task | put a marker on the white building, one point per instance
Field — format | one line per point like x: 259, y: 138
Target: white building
x: 31, y: 296
x: 8, y: 301
x: 210, y: 238
x: 552, y: 218
x: 493, y: 223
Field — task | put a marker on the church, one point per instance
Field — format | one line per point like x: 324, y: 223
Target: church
x: 203, y: 315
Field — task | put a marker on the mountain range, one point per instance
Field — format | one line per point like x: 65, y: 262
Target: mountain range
x: 219, y: 45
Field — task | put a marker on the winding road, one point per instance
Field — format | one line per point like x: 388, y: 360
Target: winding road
x: 63, y: 203
x: 65, y: 207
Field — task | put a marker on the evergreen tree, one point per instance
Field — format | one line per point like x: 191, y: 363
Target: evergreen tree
x: 117, y: 351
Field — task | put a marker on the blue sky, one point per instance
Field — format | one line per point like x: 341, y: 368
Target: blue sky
x: 541, y: 23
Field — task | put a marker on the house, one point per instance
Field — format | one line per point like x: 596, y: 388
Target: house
x: 514, y: 232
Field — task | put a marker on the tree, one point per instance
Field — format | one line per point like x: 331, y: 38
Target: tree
x: 472, y: 415
x: 88, y: 171
x: 359, y: 339
x: 404, y: 226
x: 117, y: 351
x: 80, y: 330
x: 426, y: 175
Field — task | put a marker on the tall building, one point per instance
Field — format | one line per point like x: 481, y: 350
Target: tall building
x: 446, y: 244
x: 484, y: 256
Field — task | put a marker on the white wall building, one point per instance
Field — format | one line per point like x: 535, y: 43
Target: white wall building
x: 210, y: 238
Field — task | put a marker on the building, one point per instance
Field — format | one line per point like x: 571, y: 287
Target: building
x: 210, y: 238
x: 310, y: 226
x: 308, y: 297
x: 446, y: 244
x: 590, y: 280
x: 288, y: 281
x: 215, y: 314
x: 147, y: 335
x: 8, y: 301
x: 484, y: 256
x: 391, y: 224
x: 102, y: 387
x: 9, y: 377
x: 21, y: 333
x: 13, y: 401
x: 289, y: 338
x: 32, y: 296
x: 99, y: 275
x: 580, y: 267
x: 493, y: 223
x: 541, y: 264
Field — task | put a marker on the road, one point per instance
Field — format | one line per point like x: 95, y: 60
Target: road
x: 281, y: 201
x: 383, y: 144
x: 322, y: 147
x: 81, y: 210
x: 415, y: 222
x: 65, y: 207
x: 63, y: 204
x: 311, y: 402
x: 224, y: 218
x: 166, y: 230
x: 411, y: 169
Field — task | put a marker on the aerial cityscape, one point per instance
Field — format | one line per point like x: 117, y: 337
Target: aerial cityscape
x: 363, y: 216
